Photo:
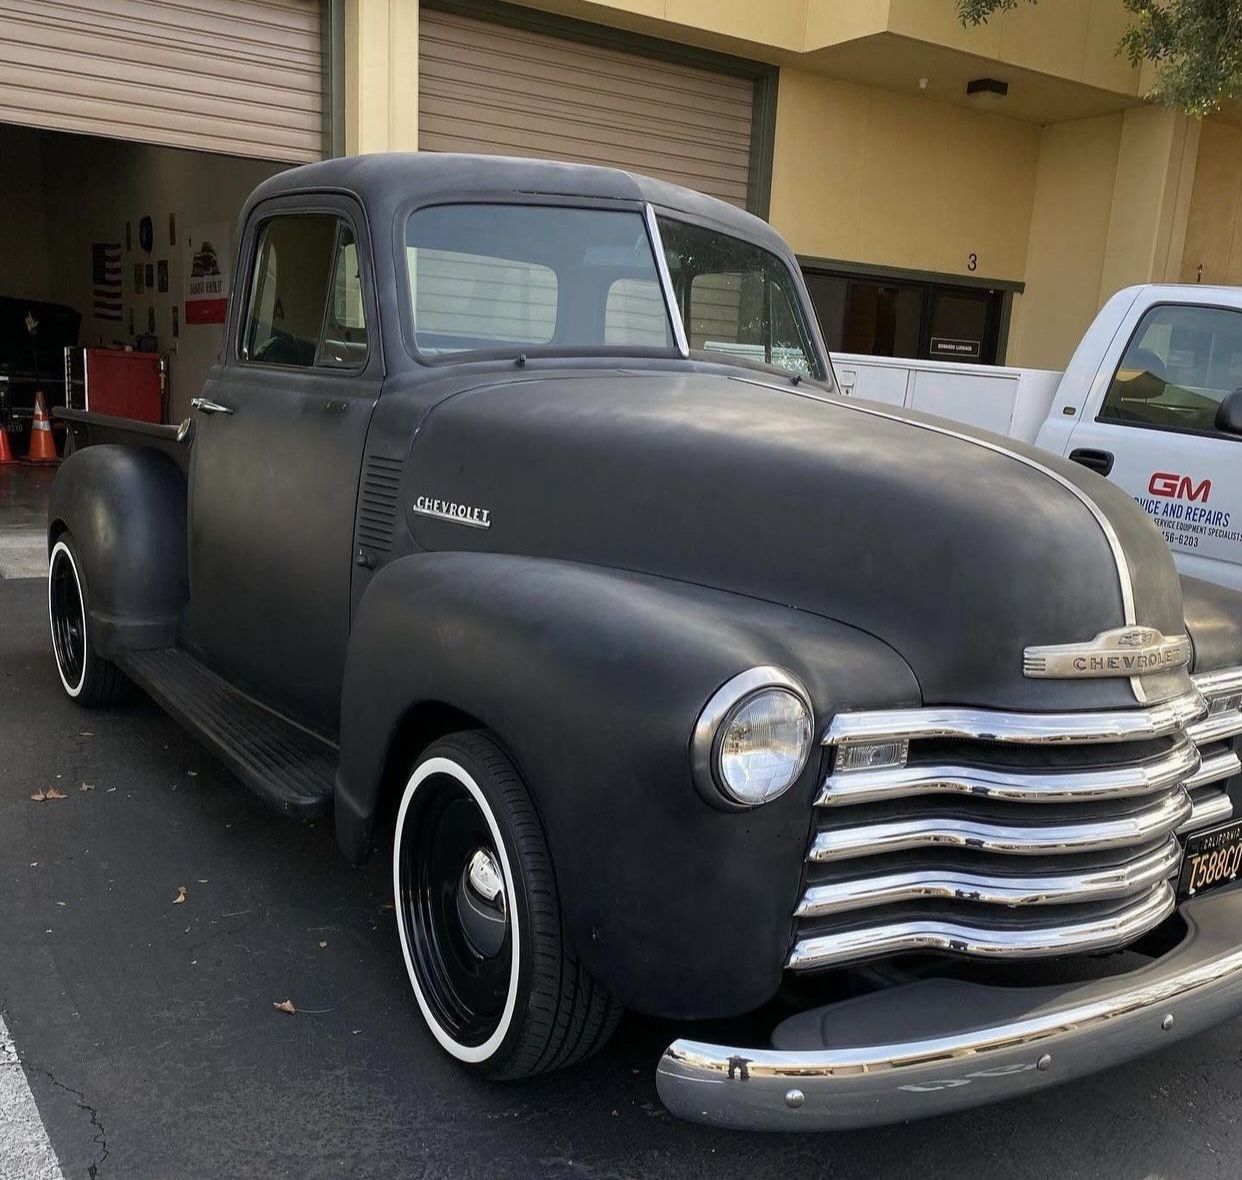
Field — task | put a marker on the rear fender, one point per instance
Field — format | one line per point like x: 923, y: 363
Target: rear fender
x: 126, y: 509
x: 593, y: 680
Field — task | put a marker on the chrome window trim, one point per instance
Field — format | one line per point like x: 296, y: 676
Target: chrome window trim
x: 724, y: 701
x: 1022, y: 728
x: 666, y: 282
x: 961, y: 937
x: 870, y: 838
x: 1045, y: 786
x: 951, y: 883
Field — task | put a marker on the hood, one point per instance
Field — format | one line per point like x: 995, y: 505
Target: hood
x: 956, y: 548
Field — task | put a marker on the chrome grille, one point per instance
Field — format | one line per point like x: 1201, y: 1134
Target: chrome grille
x: 1010, y: 834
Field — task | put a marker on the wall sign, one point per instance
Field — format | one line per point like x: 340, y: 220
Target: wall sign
x: 206, y: 271
x: 948, y: 349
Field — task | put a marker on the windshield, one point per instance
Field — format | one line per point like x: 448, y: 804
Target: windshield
x: 525, y: 278
x: 513, y: 279
x: 736, y: 298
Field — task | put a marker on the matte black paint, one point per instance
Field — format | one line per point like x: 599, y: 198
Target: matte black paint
x: 593, y: 679
x: 658, y: 525
x: 1214, y: 621
x: 958, y: 556
x: 125, y: 508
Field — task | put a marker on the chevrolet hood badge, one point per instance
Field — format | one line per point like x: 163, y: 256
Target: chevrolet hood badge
x: 1127, y: 651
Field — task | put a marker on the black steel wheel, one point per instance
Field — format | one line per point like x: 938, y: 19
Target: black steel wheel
x: 479, y: 921
x: 87, y: 679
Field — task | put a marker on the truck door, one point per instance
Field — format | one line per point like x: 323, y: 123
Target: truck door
x: 279, y: 436
x: 1155, y: 432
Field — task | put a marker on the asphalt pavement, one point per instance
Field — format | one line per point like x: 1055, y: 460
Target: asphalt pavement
x: 152, y: 918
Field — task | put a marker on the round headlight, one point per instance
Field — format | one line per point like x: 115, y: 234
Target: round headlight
x: 753, y: 738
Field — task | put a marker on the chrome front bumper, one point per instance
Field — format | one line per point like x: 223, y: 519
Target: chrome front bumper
x: 936, y: 1046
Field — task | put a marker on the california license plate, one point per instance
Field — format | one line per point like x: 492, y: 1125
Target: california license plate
x: 1212, y: 860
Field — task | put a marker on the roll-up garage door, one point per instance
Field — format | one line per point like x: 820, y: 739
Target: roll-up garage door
x: 501, y: 90
x: 236, y: 76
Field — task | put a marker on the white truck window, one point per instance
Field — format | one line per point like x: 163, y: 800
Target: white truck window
x: 1181, y: 363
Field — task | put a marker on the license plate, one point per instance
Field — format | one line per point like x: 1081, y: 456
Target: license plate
x: 1212, y: 859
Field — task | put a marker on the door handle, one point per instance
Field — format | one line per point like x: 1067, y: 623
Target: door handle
x: 205, y: 406
x: 1098, y: 461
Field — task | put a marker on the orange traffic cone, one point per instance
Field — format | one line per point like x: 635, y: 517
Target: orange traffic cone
x: 6, y: 451
x: 42, y: 445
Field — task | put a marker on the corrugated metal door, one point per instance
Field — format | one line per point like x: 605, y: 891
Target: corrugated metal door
x: 236, y: 76
x: 500, y: 90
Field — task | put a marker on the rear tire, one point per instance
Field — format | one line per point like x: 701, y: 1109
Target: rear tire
x: 480, y: 922
x: 88, y: 679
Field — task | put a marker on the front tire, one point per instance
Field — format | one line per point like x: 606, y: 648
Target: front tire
x: 88, y: 680
x: 479, y: 919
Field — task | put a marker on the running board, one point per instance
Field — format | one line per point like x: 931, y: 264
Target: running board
x: 290, y: 768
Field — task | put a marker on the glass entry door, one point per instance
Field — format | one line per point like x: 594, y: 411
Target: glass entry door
x: 907, y: 318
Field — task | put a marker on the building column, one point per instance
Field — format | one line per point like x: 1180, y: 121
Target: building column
x: 1151, y: 199
x: 1112, y: 199
x: 381, y: 76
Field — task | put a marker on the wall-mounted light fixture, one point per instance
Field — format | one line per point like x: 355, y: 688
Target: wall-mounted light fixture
x: 986, y: 92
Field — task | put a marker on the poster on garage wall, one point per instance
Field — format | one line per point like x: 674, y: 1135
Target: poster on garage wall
x: 206, y: 271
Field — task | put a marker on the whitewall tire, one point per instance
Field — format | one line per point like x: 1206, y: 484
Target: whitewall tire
x: 479, y: 920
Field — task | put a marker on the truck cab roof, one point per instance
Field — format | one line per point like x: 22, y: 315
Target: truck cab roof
x: 386, y: 182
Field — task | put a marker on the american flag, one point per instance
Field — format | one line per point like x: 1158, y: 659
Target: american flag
x: 106, y: 279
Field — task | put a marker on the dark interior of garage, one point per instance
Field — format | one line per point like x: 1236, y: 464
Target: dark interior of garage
x: 116, y: 263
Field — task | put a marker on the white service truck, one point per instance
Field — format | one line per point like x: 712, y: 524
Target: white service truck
x: 1152, y: 399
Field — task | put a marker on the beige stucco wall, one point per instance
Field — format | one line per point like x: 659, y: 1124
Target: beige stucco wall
x: 1074, y: 40
x: 1213, y: 246
x: 1111, y: 201
x: 381, y: 76
x: 866, y: 175
x: 1068, y: 239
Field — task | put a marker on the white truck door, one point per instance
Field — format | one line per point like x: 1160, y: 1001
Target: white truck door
x: 1152, y: 427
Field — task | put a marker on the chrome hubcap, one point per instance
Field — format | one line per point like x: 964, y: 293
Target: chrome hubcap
x: 481, y: 904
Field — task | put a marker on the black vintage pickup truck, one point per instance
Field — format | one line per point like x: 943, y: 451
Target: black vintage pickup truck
x: 521, y: 525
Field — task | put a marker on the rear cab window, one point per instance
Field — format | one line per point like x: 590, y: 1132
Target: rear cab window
x: 1180, y: 364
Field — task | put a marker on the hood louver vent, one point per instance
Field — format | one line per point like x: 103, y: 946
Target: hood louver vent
x: 377, y: 513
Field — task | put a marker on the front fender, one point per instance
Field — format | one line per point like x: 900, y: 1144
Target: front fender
x: 593, y: 680
x: 126, y: 509
x: 1214, y: 623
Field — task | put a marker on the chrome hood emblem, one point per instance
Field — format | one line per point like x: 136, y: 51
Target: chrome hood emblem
x: 1126, y: 651
x: 455, y: 513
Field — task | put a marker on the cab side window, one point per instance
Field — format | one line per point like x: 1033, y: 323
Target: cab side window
x: 305, y: 306
x: 1181, y: 363
x: 735, y: 298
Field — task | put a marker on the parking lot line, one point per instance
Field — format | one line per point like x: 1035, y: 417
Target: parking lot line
x: 25, y: 1150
